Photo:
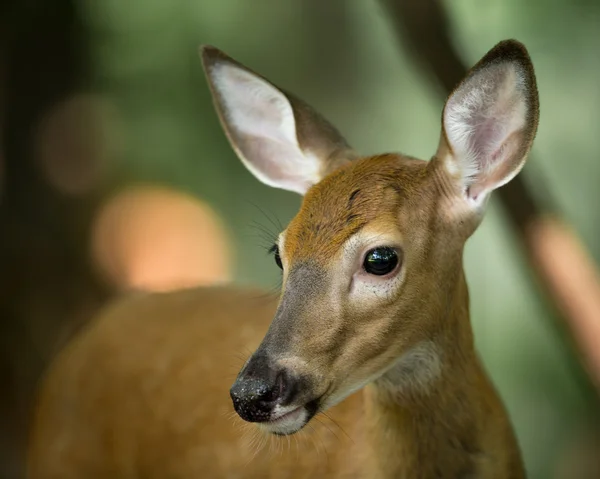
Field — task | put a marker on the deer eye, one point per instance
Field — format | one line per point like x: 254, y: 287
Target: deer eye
x: 380, y: 261
x: 275, y: 251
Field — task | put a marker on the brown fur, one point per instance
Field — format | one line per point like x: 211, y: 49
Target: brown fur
x: 346, y: 200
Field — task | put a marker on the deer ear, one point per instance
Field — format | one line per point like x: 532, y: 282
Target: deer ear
x: 280, y: 139
x: 490, y: 121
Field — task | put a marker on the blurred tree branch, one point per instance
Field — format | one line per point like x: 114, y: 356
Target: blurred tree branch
x: 48, y: 285
x: 563, y: 267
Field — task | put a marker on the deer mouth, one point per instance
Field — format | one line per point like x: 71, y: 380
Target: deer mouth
x: 289, y: 420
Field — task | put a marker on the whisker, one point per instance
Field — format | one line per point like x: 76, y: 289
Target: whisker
x: 270, y: 294
x: 297, y: 444
x: 320, y: 438
x: 271, y: 218
x: 337, y: 425
x: 256, y: 444
x: 326, y: 427
x: 313, y: 439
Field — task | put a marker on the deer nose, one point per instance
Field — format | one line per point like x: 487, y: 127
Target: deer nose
x: 259, y: 388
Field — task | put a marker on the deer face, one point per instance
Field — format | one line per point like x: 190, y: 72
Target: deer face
x: 371, y: 261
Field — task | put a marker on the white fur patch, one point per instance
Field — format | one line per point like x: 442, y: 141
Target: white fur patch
x: 479, y: 119
x: 254, y: 106
x: 264, y: 127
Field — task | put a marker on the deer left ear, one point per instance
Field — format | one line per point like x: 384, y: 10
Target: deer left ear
x: 490, y: 121
x: 279, y: 138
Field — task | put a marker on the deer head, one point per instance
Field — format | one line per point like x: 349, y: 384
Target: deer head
x: 373, y: 261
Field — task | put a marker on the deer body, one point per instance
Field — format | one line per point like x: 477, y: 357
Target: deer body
x: 365, y: 367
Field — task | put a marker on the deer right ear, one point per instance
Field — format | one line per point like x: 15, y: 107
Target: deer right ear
x: 489, y: 123
x: 280, y: 139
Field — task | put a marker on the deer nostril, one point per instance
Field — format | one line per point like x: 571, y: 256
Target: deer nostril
x: 275, y: 392
x: 254, y: 397
x: 280, y: 383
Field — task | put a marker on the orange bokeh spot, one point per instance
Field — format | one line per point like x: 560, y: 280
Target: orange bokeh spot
x: 158, y: 239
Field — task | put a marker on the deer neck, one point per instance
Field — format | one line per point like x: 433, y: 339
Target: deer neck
x: 424, y: 417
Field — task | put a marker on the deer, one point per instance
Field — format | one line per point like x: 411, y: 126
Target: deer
x: 365, y: 365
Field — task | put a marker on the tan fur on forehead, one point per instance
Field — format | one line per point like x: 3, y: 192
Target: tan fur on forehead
x: 349, y: 198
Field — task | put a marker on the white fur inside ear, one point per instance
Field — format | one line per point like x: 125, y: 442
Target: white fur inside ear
x: 482, y: 120
x: 261, y: 123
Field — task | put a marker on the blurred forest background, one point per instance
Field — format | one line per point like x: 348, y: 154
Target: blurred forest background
x: 115, y: 174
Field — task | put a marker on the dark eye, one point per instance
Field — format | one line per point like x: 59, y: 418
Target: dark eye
x: 275, y: 250
x: 381, y: 261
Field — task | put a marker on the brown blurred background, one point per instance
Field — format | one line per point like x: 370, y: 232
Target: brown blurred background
x: 115, y: 175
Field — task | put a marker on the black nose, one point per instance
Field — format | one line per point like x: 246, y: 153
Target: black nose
x: 259, y: 388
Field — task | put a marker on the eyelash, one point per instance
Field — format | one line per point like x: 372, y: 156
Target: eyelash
x: 274, y: 250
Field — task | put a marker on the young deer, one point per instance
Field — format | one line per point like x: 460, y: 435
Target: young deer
x: 374, y: 298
